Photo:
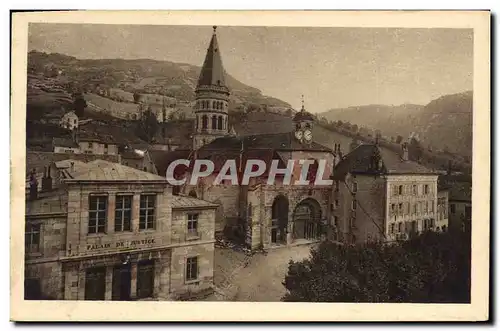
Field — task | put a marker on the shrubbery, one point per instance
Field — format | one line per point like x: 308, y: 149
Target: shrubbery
x: 430, y: 268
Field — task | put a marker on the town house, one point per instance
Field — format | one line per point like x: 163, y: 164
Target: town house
x: 105, y: 231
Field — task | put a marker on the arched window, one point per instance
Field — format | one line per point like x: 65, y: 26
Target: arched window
x: 219, y: 124
x: 204, y: 122
x: 214, y: 122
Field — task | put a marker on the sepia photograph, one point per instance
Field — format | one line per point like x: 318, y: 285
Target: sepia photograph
x: 190, y: 157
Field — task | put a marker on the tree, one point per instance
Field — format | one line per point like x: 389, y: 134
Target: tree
x: 340, y: 123
x: 148, y: 126
x: 399, y: 139
x: 429, y: 268
x: 79, y: 104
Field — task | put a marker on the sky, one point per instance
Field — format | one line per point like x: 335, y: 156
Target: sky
x: 332, y: 67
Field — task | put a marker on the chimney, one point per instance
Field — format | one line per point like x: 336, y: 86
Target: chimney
x: 404, y: 148
x: 33, y: 186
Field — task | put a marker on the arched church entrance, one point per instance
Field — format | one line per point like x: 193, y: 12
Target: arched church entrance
x: 279, y: 221
x: 307, y: 220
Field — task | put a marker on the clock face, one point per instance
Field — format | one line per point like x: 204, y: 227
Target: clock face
x: 308, y: 135
x: 298, y: 135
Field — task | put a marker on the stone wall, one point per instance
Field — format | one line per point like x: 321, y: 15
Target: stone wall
x: 178, y: 283
x: 206, y: 225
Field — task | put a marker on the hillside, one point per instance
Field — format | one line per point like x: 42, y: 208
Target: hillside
x: 443, y: 124
x: 118, y: 79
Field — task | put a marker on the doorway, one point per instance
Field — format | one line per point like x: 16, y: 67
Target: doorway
x: 122, y: 280
x: 95, y: 283
x: 307, y: 220
x: 279, y: 220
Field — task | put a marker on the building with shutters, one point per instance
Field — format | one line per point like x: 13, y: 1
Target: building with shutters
x: 105, y: 231
x: 379, y: 195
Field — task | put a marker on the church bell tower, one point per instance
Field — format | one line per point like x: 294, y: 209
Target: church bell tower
x: 212, y: 96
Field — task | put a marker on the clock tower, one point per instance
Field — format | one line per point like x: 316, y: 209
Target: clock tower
x: 303, y: 122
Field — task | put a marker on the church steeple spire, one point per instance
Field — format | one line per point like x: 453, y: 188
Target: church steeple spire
x: 212, y: 97
x: 212, y: 72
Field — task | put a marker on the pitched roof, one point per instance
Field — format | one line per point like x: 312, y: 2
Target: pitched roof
x: 275, y: 141
x: 182, y: 201
x: 100, y: 170
x: 162, y: 159
x: 38, y: 160
x: 64, y: 142
x: 361, y: 158
x: 212, y: 71
x: 459, y: 186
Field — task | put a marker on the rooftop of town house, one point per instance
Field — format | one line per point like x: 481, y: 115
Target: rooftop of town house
x: 182, y: 201
x: 360, y: 160
x: 37, y: 161
x: 132, y: 154
x: 100, y: 170
x: 284, y: 141
x: 64, y: 142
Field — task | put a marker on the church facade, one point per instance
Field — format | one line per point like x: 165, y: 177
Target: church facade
x: 258, y: 215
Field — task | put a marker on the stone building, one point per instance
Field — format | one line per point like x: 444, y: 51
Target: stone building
x: 379, y: 195
x: 69, y: 121
x: 460, y: 201
x: 212, y: 97
x: 257, y: 214
x: 105, y: 231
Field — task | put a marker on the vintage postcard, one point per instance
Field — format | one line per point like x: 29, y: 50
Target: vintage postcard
x: 250, y: 166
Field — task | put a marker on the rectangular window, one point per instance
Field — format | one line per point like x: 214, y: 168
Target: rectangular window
x: 400, y: 227
x: 123, y: 213
x: 32, y: 238
x: 192, y: 268
x: 354, y: 187
x: 354, y: 204
x: 335, y: 221
x: 414, y: 189
x: 337, y: 204
x: 394, y: 190
x: 452, y: 208
x: 393, y: 208
x: 400, y: 190
x: 400, y: 209
x: 90, y: 144
x: 192, y: 225
x: 432, y: 206
x: 145, y: 279
x: 426, y: 207
x: 392, y: 228
x: 426, y: 189
x: 147, y: 212
x: 98, y: 206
